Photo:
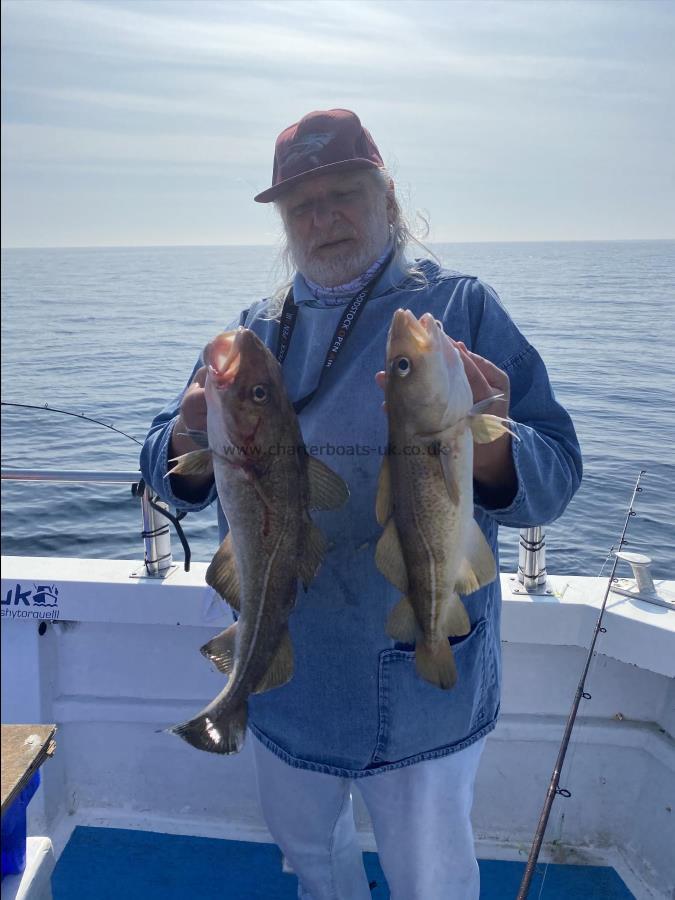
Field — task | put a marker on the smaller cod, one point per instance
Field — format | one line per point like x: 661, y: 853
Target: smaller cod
x: 432, y: 549
x: 266, y: 483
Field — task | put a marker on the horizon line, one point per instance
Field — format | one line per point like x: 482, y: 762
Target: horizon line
x: 273, y: 245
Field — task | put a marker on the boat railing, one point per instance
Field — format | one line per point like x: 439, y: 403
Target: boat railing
x: 157, y: 536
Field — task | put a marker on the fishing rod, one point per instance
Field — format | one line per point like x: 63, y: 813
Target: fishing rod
x: 136, y: 489
x: 67, y: 412
x: 553, y: 788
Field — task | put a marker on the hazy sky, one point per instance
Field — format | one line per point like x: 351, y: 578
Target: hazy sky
x: 129, y: 122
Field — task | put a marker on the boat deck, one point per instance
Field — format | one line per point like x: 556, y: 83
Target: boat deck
x: 102, y: 863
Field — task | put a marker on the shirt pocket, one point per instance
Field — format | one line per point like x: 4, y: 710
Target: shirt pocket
x: 417, y: 717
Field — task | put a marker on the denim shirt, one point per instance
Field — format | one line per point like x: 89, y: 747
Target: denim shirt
x: 355, y: 705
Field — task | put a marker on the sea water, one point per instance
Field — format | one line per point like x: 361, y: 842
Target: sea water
x: 113, y: 333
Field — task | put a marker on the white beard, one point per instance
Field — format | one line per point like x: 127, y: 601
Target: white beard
x: 343, y: 267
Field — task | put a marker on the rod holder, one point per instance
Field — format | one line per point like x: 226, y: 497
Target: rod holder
x: 532, y: 558
x: 156, y: 537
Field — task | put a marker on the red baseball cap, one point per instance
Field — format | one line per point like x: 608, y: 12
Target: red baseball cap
x: 322, y: 141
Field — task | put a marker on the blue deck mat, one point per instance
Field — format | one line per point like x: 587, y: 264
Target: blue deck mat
x: 117, y: 864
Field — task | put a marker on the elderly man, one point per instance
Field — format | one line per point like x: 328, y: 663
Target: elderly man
x: 355, y: 711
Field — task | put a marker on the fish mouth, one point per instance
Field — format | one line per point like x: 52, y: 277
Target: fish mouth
x: 223, y: 357
x: 410, y: 335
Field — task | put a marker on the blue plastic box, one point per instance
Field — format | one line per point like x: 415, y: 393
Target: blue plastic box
x: 14, y: 830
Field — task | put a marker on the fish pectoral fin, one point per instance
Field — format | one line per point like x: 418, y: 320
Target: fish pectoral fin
x: 326, y: 489
x: 478, y: 567
x: 435, y: 663
x: 313, y: 550
x: 220, y: 650
x: 451, y: 484
x: 200, y: 438
x: 223, y: 734
x: 486, y: 428
x: 402, y: 622
x: 281, y: 667
x: 222, y: 574
x: 196, y: 462
x: 482, y: 405
x: 455, y: 620
x: 389, y: 557
x: 384, y: 504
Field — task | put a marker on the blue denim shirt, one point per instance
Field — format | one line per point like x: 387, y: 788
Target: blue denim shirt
x: 355, y: 705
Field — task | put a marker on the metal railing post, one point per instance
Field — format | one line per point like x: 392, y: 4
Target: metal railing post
x: 532, y: 558
x: 156, y: 537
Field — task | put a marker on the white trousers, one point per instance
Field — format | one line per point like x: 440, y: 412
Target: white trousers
x: 421, y: 820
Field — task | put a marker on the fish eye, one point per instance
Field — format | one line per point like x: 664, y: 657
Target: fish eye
x: 259, y: 393
x: 402, y: 366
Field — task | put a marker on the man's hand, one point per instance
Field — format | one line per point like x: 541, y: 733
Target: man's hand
x: 492, y: 463
x: 192, y: 417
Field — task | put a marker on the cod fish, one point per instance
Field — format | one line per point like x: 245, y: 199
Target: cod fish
x: 266, y: 483
x: 432, y: 548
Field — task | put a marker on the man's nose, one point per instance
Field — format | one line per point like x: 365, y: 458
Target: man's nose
x: 323, y: 213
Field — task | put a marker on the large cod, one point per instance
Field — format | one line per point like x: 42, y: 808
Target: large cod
x: 266, y: 484
x: 432, y: 548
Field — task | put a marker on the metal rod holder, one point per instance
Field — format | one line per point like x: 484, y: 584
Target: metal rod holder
x: 532, y: 558
x: 156, y: 537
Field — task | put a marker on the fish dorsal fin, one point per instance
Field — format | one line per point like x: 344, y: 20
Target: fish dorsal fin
x: 196, y: 462
x: 389, y: 557
x: 313, y: 550
x: 326, y: 489
x: 384, y: 504
x: 220, y: 650
x: 222, y: 573
x: 478, y: 568
x: 402, y: 624
x: 281, y: 667
x: 486, y: 428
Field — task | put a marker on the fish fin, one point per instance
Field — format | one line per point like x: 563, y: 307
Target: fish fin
x: 402, y: 622
x: 451, y: 485
x: 226, y: 735
x: 200, y: 438
x: 436, y: 664
x: 326, y: 489
x: 482, y: 405
x: 389, y: 557
x: 281, y: 667
x: 455, y: 620
x: 384, y: 504
x: 486, y: 428
x: 478, y: 567
x: 222, y: 573
x: 196, y: 462
x: 220, y: 650
x: 313, y: 550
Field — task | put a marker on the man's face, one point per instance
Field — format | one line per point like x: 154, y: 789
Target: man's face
x: 336, y: 226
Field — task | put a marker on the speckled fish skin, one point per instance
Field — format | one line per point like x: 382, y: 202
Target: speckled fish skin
x: 431, y: 549
x: 266, y: 484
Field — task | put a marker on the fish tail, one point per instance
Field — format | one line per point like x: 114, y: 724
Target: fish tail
x: 435, y: 663
x: 225, y: 735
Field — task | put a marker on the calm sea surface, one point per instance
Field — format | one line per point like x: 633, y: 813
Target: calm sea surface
x: 114, y: 333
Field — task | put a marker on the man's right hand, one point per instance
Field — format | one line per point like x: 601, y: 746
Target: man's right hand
x: 192, y: 417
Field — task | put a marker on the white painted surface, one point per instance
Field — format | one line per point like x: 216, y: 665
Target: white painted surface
x: 34, y: 883
x: 121, y: 662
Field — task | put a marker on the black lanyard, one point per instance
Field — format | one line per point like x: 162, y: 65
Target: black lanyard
x: 353, y: 310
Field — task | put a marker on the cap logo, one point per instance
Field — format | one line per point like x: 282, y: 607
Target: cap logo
x: 306, y: 148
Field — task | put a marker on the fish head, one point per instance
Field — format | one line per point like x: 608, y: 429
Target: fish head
x: 246, y: 400
x: 426, y: 380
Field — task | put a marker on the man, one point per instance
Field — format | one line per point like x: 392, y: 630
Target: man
x: 355, y: 711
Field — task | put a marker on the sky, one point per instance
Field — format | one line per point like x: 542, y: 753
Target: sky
x: 152, y: 122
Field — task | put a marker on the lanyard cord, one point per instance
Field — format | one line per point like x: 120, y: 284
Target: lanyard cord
x: 288, y: 318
